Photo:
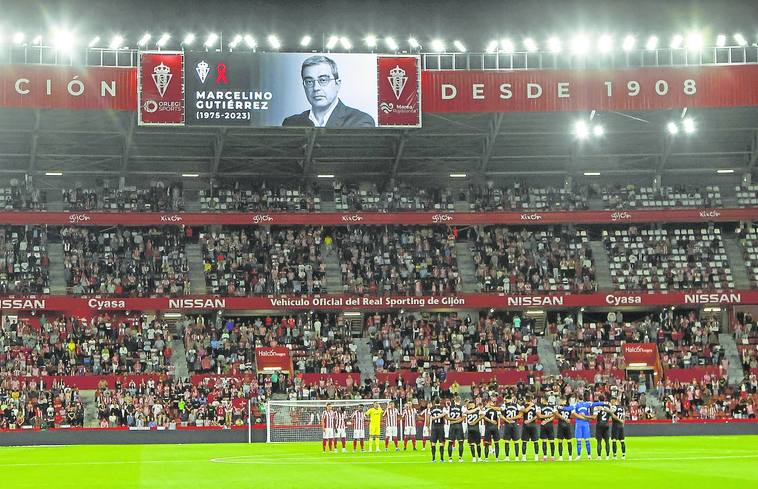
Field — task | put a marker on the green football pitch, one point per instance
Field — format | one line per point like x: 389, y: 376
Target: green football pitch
x: 686, y: 462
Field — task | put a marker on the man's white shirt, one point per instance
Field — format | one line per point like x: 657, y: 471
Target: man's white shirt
x: 326, y: 116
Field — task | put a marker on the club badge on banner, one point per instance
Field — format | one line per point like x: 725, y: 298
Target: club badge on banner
x: 399, y: 83
x: 161, y: 88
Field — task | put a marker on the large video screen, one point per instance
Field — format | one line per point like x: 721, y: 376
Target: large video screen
x: 341, y: 91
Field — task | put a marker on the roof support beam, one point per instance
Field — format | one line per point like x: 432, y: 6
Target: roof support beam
x: 35, y: 139
x: 399, y: 148
x: 489, y: 142
x: 753, y: 152
x: 667, y: 143
x: 310, y: 144
x: 128, y: 139
x: 218, y: 149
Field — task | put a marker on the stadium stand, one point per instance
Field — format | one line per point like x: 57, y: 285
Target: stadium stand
x: 368, y: 197
x: 279, y: 198
x: 133, y: 262
x: 521, y: 197
x: 648, y: 197
x: 747, y: 195
x: 400, y: 260
x: 40, y: 405
x: 24, y: 260
x: 254, y: 261
x: 158, y: 197
x: 21, y: 196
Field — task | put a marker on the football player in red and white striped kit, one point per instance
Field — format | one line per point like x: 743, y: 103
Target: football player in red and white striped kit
x: 358, y: 422
x: 340, y: 422
x: 410, y: 415
x: 327, y: 423
x: 426, y: 425
x: 391, y: 415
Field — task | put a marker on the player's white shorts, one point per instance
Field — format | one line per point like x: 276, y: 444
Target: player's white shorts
x: 410, y: 431
x: 390, y: 432
x: 447, y: 431
x: 359, y: 434
x: 425, y: 431
x: 328, y: 433
x: 341, y: 433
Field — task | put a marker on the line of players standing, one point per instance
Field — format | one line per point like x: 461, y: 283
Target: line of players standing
x: 514, y: 422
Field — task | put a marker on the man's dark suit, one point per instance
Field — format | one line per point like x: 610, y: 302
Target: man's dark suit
x: 342, y: 117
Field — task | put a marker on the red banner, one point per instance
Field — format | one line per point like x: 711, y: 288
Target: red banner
x: 399, y: 85
x: 601, y: 300
x: 657, y: 88
x: 692, y: 373
x: 640, y: 355
x: 273, y: 358
x: 376, y: 218
x: 589, y: 375
x: 66, y: 87
x: 161, y: 88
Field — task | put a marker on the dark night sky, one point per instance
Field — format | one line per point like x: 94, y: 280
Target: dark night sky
x: 475, y: 22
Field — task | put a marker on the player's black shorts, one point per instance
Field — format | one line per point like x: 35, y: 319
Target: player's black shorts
x: 474, y: 435
x: 564, y: 432
x: 602, y: 432
x: 547, y: 432
x: 511, y: 432
x: 491, y: 433
x: 456, y: 432
x: 437, y: 434
x: 530, y: 432
x: 617, y: 432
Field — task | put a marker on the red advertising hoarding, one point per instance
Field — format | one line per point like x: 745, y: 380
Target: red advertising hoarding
x: 336, y: 302
x: 654, y: 88
x: 399, y: 86
x: 273, y: 358
x: 68, y: 87
x: 537, y: 218
x: 160, y: 88
x: 641, y: 354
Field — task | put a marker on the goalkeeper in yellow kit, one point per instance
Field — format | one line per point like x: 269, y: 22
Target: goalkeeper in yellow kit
x: 374, y: 414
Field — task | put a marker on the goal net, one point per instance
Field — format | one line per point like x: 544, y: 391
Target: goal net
x: 301, y: 420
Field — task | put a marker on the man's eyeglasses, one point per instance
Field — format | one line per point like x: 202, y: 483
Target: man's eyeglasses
x: 322, y: 81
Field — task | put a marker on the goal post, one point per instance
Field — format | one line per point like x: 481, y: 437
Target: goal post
x: 301, y: 420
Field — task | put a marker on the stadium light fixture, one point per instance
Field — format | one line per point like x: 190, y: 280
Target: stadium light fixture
x: 346, y: 44
x: 211, y: 40
x: 190, y: 175
x: 676, y: 41
x: 18, y: 38
x: 332, y: 42
x: 459, y: 46
x: 237, y: 39
x: 325, y: 175
x: 163, y: 40
x: 554, y: 45
x: 458, y: 175
x: 94, y: 42
x: 116, y: 42
x: 64, y: 40
x: 672, y: 128
x: 580, y: 45
x: 725, y: 171
x: 491, y: 46
x: 53, y: 173
x: 506, y: 46
x: 250, y: 41
x: 721, y: 40
x: 592, y: 174
x: 188, y: 39
x: 652, y: 43
x: 37, y: 41
x: 628, y: 44
x: 581, y: 130
x: 598, y: 131
x: 144, y: 40
x: 391, y: 43
x: 274, y: 41
x: 689, y: 125
x: 370, y: 41
x: 530, y: 44
x: 605, y: 43
x: 694, y: 41
x: 740, y: 39
x: 438, y: 45
x: 305, y: 41
x: 413, y: 43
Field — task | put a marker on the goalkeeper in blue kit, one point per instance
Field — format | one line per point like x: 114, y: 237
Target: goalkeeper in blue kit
x: 583, y: 414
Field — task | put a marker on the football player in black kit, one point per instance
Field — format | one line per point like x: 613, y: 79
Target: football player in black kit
x: 564, y: 431
x: 473, y: 417
x: 602, y: 430
x: 547, y: 429
x: 617, y: 427
x: 510, y: 414
x: 437, y: 438
x: 455, y: 436
x: 530, y: 430
x: 491, y: 430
